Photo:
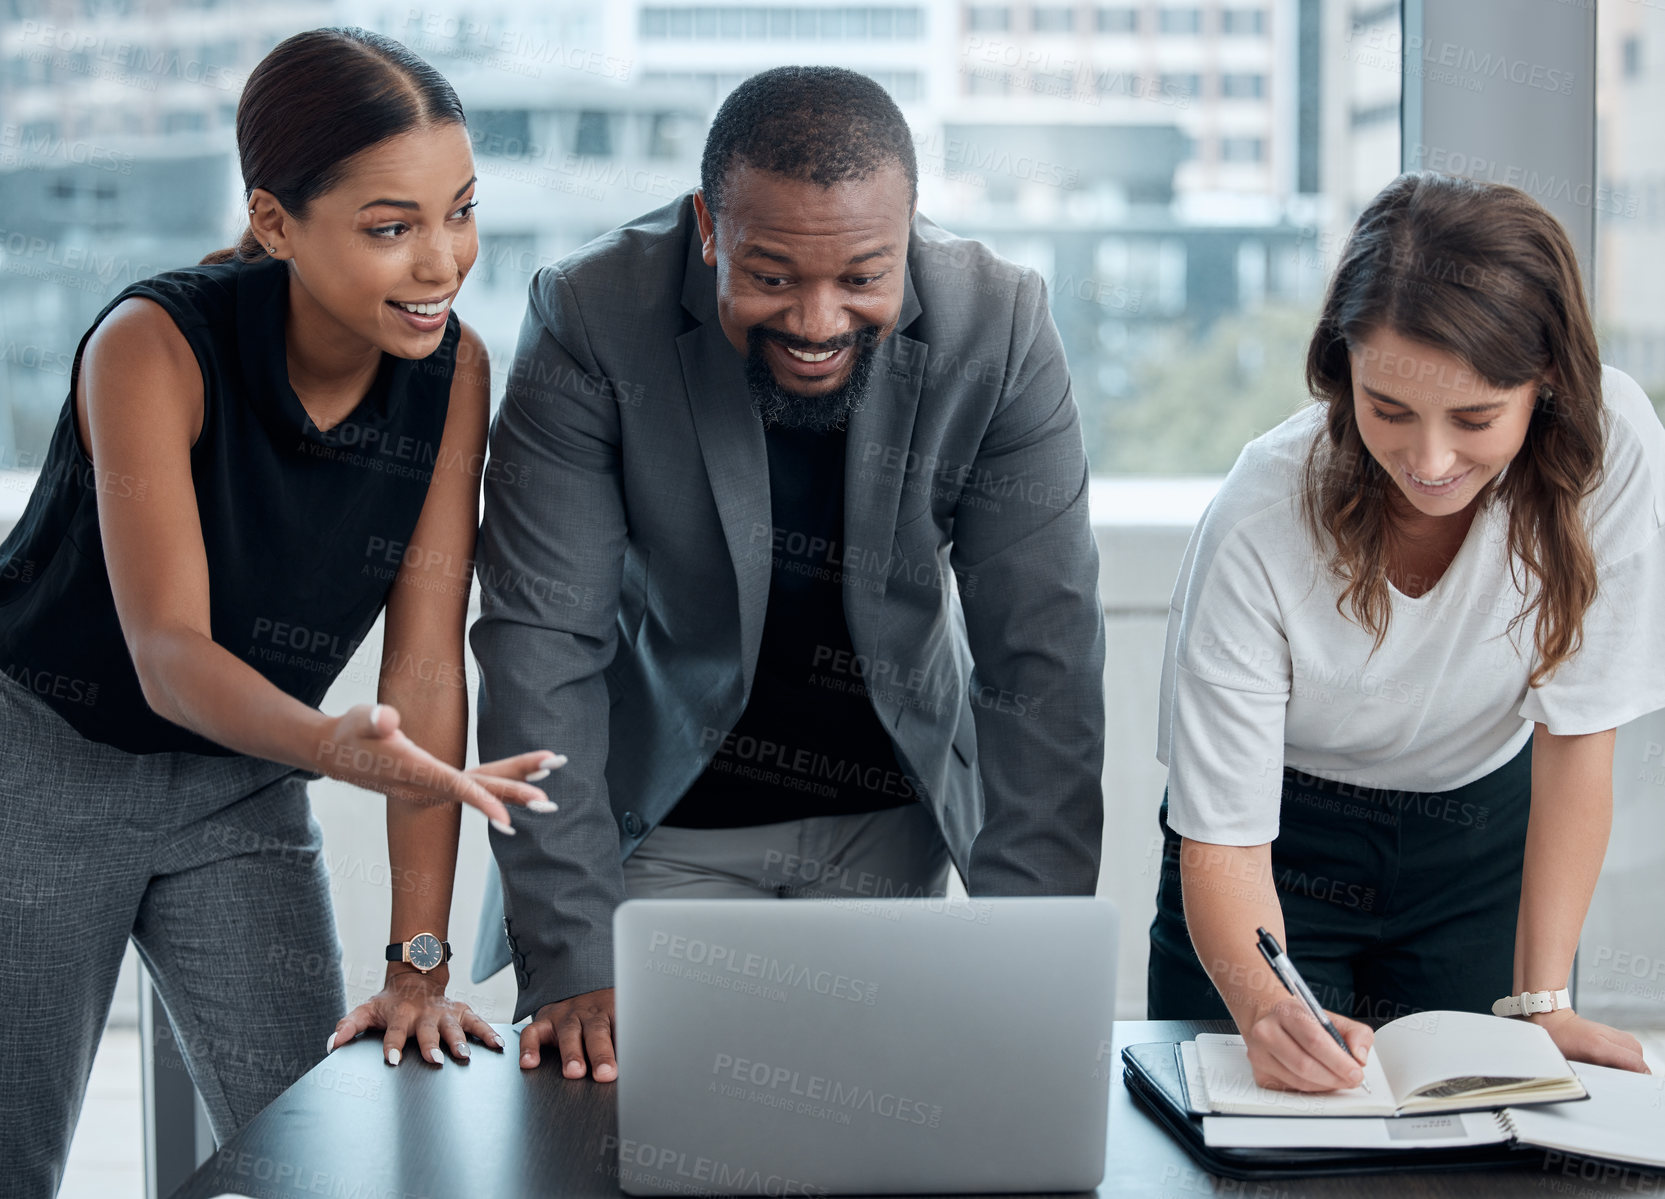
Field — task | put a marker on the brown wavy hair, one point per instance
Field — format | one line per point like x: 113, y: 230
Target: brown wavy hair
x: 317, y: 99
x: 1483, y: 272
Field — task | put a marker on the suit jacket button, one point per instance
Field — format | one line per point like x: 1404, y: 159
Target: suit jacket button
x: 632, y: 824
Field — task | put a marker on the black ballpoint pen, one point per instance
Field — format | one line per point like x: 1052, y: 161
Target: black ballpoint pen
x: 1292, y: 982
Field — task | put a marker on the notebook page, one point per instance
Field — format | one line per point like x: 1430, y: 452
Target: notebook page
x: 1389, y: 1132
x: 1229, y: 1082
x: 1431, y: 1047
x: 1624, y: 1118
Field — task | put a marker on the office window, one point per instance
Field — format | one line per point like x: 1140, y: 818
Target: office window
x: 1242, y: 149
x: 1179, y: 20
x: 1386, y: 13
x: 1053, y: 83
x: 1627, y: 299
x: 988, y: 18
x: 987, y: 80
x: 1242, y: 85
x: 1052, y: 18
x: 1185, y: 85
x: 1121, y: 19
x: 905, y: 87
x: 1243, y: 22
x: 506, y: 259
x: 189, y: 121
x: 1375, y: 114
x: 594, y: 135
x: 1171, y: 90
x: 1152, y: 268
x: 1629, y: 293
x: 780, y: 22
x: 1251, y: 273
x: 669, y: 134
x: 500, y: 132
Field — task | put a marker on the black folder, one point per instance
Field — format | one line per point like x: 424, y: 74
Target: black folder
x: 1156, y: 1081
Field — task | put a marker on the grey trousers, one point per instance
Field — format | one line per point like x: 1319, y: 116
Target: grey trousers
x: 213, y: 866
x: 896, y: 853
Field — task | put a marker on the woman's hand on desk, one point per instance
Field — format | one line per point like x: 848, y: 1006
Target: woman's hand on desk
x: 1581, y: 1040
x: 1290, y: 1051
x: 409, y: 1004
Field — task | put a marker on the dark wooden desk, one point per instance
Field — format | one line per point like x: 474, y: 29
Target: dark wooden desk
x: 355, y: 1128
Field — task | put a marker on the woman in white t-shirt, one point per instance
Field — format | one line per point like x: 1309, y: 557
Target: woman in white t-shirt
x: 1412, y: 617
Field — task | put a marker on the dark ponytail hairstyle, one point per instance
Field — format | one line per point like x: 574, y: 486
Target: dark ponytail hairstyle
x: 316, y: 100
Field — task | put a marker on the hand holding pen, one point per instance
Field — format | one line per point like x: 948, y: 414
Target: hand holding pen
x: 1288, y: 1050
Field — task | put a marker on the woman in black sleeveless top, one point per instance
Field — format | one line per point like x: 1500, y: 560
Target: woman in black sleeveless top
x: 257, y: 455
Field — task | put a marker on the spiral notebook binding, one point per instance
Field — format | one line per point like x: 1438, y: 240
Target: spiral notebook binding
x: 1506, y: 1122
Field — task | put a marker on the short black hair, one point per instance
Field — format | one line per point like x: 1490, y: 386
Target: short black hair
x: 820, y: 125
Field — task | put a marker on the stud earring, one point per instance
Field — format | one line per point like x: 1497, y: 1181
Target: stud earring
x: 271, y: 249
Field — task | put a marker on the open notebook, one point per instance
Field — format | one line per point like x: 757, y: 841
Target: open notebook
x: 1624, y: 1120
x: 1424, y: 1063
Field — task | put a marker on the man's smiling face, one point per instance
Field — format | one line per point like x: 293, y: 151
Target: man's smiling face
x: 809, y: 281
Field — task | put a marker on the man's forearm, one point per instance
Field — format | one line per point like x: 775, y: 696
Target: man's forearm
x: 1039, y: 708
x: 561, y: 876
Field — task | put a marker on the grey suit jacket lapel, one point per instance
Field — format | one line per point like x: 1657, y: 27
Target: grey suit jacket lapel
x: 731, y: 441
x: 881, y: 431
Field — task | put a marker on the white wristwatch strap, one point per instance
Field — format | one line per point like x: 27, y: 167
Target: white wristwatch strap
x: 1531, y: 1003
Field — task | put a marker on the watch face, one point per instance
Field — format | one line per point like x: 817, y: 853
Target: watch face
x: 425, y: 951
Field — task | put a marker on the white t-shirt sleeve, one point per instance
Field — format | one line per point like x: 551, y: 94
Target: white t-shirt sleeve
x: 1617, y: 675
x: 1230, y: 671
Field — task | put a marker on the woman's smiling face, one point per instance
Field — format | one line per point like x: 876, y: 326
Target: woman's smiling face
x: 1432, y: 423
x: 396, y: 232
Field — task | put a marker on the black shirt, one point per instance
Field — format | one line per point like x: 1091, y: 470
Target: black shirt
x: 303, y: 530
x: 809, y: 742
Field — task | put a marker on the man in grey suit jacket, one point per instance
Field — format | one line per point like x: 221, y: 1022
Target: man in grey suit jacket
x: 645, y: 546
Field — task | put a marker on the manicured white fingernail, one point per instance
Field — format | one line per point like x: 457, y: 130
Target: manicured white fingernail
x: 329, y: 1045
x: 439, y: 1058
x: 553, y: 762
x: 542, y: 805
x: 375, y: 715
x: 536, y: 775
x: 504, y: 827
x: 496, y: 1041
x: 461, y: 1048
x: 393, y: 1057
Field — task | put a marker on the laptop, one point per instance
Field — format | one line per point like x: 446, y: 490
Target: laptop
x: 832, y: 1046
